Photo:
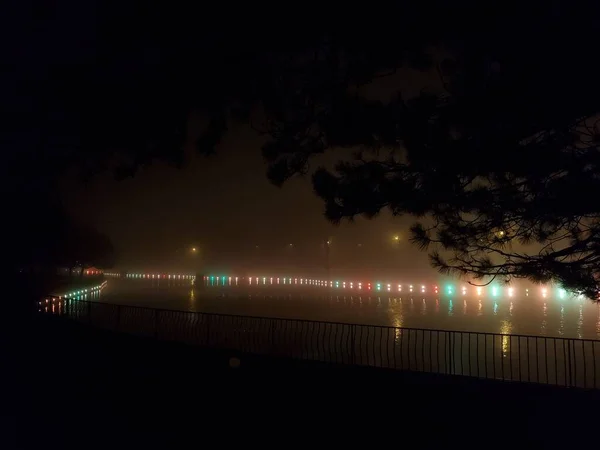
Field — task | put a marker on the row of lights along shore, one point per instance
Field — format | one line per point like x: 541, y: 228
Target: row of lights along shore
x: 56, y: 303
x: 75, y: 294
x: 158, y: 276
x: 449, y: 289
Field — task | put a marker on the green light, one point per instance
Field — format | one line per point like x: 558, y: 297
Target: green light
x: 562, y: 293
x: 494, y: 291
x: 378, y: 286
x: 450, y: 289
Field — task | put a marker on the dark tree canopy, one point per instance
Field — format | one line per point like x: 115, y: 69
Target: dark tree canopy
x: 44, y: 236
x: 501, y: 162
x: 500, y: 154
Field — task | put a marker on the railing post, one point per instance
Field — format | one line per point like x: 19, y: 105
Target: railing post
x: 207, y: 330
x: 352, y: 344
x: 272, y: 334
x: 570, y: 383
x: 118, y: 318
x: 89, y: 308
x: 156, y: 312
x: 450, y: 352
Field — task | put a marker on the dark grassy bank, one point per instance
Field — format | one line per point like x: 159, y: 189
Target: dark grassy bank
x: 79, y: 387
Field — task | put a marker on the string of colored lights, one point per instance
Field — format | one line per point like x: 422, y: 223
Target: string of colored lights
x: 158, y: 276
x: 75, y: 294
x: 379, y: 286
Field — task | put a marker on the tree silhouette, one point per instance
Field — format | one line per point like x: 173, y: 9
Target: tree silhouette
x: 83, y: 246
x: 45, y: 237
x: 498, y: 157
x: 501, y: 162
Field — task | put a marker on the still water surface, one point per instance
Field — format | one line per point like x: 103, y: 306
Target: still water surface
x: 569, y: 317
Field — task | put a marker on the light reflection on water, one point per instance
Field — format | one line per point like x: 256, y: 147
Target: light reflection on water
x: 575, y: 318
x: 505, y: 330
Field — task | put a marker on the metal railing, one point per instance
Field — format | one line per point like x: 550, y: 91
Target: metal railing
x: 535, y: 359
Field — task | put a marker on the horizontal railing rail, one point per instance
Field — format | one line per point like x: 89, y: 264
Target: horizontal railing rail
x: 535, y: 359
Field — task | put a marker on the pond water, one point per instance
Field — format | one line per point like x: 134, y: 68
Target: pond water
x: 569, y: 317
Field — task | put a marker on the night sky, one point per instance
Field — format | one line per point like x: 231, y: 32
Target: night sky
x: 222, y: 204
x: 225, y: 205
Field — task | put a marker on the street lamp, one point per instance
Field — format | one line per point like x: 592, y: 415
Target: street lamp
x: 328, y: 258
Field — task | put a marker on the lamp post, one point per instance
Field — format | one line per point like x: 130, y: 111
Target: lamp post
x: 328, y: 259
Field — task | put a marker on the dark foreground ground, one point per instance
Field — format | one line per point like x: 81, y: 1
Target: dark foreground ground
x: 69, y: 386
